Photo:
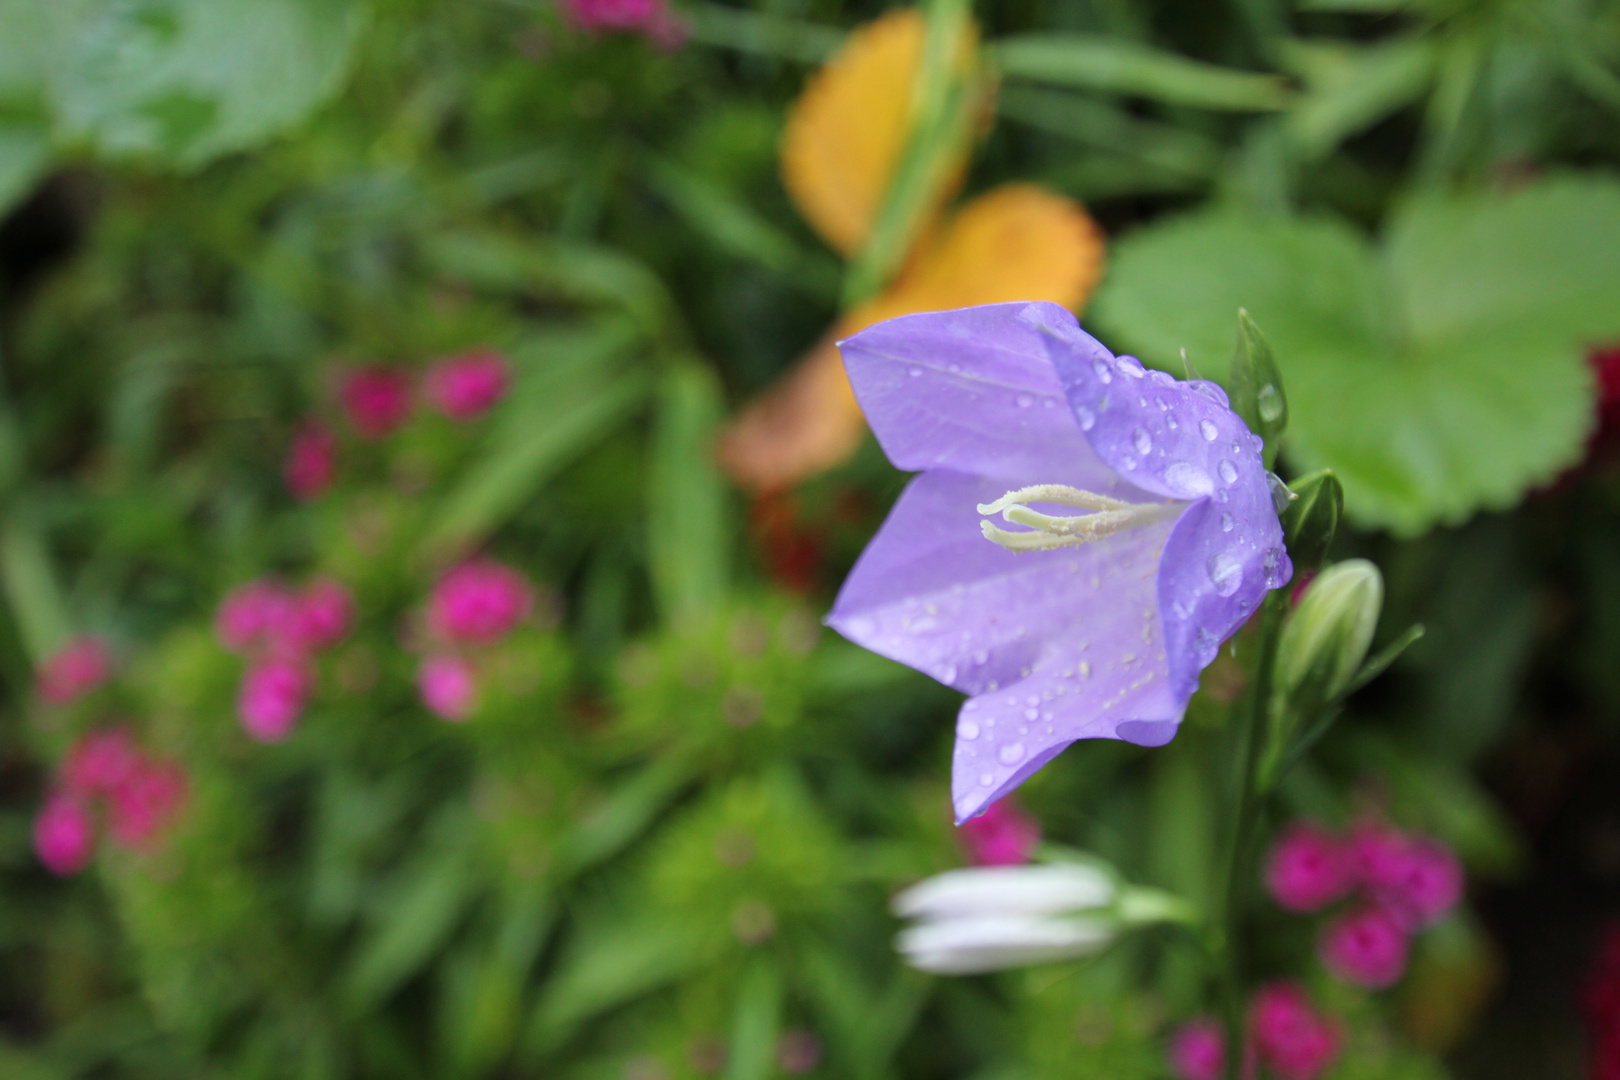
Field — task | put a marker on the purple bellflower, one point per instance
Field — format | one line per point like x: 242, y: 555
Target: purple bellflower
x: 1079, y: 626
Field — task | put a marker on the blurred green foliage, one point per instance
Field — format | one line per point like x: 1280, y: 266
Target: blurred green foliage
x: 663, y: 845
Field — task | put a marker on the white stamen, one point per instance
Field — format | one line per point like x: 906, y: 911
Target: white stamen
x: 1050, y: 532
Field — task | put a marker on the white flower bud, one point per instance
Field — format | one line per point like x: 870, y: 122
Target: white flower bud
x: 1006, y: 890
x: 977, y: 943
x: 1327, y: 636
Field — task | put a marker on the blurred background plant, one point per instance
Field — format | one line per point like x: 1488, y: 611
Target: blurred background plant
x: 423, y: 468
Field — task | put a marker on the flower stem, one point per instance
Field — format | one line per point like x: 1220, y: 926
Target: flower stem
x: 1249, y: 729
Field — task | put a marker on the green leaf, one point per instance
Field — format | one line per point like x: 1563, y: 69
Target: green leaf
x: 31, y: 589
x: 1436, y: 376
x: 755, y: 1023
x: 687, y: 534
x: 572, y: 389
x: 1093, y: 122
x: 25, y: 151
x: 189, y: 80
x: 760, y: 32
x: 1128, y: 67
x: 1257, y: 386
x: 1351, y: 87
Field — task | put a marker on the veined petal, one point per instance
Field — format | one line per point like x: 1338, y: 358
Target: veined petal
x: 1011, y: 890
x: 972, y: 390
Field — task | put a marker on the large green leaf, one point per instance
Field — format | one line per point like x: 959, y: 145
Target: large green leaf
x: 1438, y: 374
x: 191, y: 79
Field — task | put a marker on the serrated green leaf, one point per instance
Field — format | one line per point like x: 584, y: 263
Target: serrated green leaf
x: 1437, y: 376
x: 188, y: 80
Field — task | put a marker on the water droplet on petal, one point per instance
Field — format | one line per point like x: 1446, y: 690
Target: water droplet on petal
x: 1225, y: 572
x: 916, y: 372
x: 987, y: 779
x: 1087, y: 418
x: 1227, y: 470
x: 1170, y: 421
x: 981, y: 657
x: 1272, y: 567
x: 1131, y: 366
x: 1011, y: 754
x: 1270, y: 402
x: 1227, y: 523
x: 1025, y: 401
x: 1164, y: 406
x: 1211, y: 432
x: 1032, y: 714
x: 1143, y: 441
x: 1280, y: 495
x: 1187, y: 481
x: 1127, y: 462
x: 968, y: 730
x: 1100, y: 366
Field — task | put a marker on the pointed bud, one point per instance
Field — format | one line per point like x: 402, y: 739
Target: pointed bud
x: 1312, y: 518
x: 1255, y: 386
x: 1326, y: 637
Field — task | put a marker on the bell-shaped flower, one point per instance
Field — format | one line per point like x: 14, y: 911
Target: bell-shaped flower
x: 1080, y: 625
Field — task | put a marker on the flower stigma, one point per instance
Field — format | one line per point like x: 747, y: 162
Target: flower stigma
x: 1108, y: 516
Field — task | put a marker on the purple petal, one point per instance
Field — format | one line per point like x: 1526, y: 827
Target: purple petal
x: 931, y: 592
x: 971, y: 390
x: 1182, y: 441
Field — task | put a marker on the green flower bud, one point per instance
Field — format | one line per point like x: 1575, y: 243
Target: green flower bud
x: 1311, y: 519
x: 1326, y: 638
x: 1255, y: 386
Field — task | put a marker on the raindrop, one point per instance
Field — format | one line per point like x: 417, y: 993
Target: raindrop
x: 1280, y: 495
x: 968, y: 730
x: 1011, y: 754
x: 1025, y: 401
x: 1186, y: 481
x: 1227, y: 523
x: 1103, y: 373
x: 1170, y: 421
x: 1211, y: 433
x: 1205, y: 645
x: 981, y: 657
x: 1226, y: 573
x: 987, y: 779
x: 948, y: 674
x: 1131, y: 366
x: 1272, y: 567
x: 1032, y: 714
x: 1164, y: 406
x: 1127, y: 462
x: 1270, y: 401
x: 1087, y: 418
x: 916, y: 372
x: 1181, y: 610
x: 1143, y: 441
x: 1227, y: 470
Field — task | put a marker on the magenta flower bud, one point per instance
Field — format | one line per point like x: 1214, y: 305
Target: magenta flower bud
x: 1309, y: 868
x: 465, y: 387
x: 376, y: 400
x: 64, y: 835
x: 74, y: 670
x: 449, y: 687
x: 650, y: 17
x: 272, y: 698
x: 258, y: 613
x: 101, y: 761
x: 1001, y: 836
x: 311, y: 462
x: 1367, y: 948
x: 325, y: 614
x: 1198, y: 1051
x: 478, y: 603
x: 146, y: 803
x: 1415, y: 879
x: 1290, y: 1036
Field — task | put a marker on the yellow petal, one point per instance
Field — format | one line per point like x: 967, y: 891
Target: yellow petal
x: 1016, y: 242
x: 845, y: 133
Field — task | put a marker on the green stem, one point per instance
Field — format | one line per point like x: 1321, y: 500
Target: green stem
x: 1250, y: 729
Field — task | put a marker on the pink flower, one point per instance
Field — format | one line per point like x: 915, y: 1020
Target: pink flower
x: 650, y: 17
x: 376, y: 399
x: 478, y: 603
x: 449, y: 686
x: 74, y: 670
x: 1001, y: 836
x: 465, y: 387
x: 64, y: 835
x: 1198, y: 1051
x: 259, y: 613
x: 147, y: 802
x: 1309, y: 868
x: 325, y: 613
x: 1291, y: 1037
x: 271, y: 698
x: 101, y: 761
x: 1417, y: 879
x: 311, y: 462
x: 1367, y: 948
x: 798, y: 1052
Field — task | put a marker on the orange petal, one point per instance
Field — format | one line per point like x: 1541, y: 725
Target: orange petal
x: 845, y: 133
x: 1016, y: 242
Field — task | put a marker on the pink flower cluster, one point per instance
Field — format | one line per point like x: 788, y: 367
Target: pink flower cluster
x: 1285, y: 1032
x: 476, y: 604
x: 650, y: 17
x: 1404, y: 882
x: 466, y: 387
x: 1003, y: 835
x: 142, y: 796
x: 81, y: 666
x: 280, y: 631
x: 311, y: 462
x: 1600, y: 1001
